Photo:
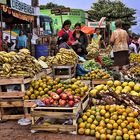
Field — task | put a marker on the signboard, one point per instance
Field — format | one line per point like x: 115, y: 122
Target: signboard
x: 3, y: 1
x: 62, y: 11
x: 101, y: 21
x: 22, y: 7
x: 96, y: 24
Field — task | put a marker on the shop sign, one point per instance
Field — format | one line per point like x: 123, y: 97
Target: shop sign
x: 3, y: 1
x: 22, y: 7
x: 96, y: 24
x: 62, y: 11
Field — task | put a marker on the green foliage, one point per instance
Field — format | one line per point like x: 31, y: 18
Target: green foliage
x: 107, y: 61
x: 112, y: 10
x: 51, y: 5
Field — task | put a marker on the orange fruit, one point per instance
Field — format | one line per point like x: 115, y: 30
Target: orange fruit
x: 125, y: 131
x: 102, y: 137
x: 89, y: 120
x: 93, y: 126
x: 82, y: 125
x: 132, y: 137
x: 136, y: 125
x: 119, y: 133
x: 115, y: 125
x: 84, y: 117
x: 135, y: 113
x: 109, y: 126
x: 126, y: 137
x: 81, y: 131
x: 123, y: 125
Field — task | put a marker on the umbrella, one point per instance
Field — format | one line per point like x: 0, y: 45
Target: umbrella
x: 87, y: 30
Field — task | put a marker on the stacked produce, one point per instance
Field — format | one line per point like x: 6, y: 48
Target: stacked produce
x: 20, y: 64
x: 107, y: 61
x: 95, y: 74
x: 134, y: 57
x: 63, y: 57
x: 91, y: 65
x: 117, y: 87
x: 92, y: 50
x: 111, y: 122
x: 56, y: 92
x: 135, y: 70
x: 106, y: 51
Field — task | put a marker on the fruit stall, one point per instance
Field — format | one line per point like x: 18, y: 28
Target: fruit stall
x: 100, y: 102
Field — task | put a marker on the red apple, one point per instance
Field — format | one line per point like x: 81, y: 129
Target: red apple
x: 71, y: 103
x: 51, y: 100
x: 71, y: 97
x: 59, y: 91
x: 62, y: 102
x: 68, y: 93
x: 55, y: 103
x: 63, y: 96
x: 47, y: 101
x: 56, y: 96
x: 77, y: 97
x: 76, y: 100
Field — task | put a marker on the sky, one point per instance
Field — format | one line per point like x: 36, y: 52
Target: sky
x: 86, y: 4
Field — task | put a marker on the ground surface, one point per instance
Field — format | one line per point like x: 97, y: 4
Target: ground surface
x: 10, y: 130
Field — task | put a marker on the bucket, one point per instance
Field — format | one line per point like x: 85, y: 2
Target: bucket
x: 41, y: 50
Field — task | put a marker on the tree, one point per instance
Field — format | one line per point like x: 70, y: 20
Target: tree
x: 51, y: 5
x: 113, y: 10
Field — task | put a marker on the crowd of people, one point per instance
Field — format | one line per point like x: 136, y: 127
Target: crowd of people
x: 122, y: 43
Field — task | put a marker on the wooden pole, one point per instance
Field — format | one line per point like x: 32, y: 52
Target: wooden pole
x: 1, y: 21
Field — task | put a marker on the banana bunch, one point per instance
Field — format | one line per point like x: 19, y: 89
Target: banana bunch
x: 135, y: 70
x: 20, y: 64
x: 92, y: 51
x: 134, y: 57
x: 63, y: 57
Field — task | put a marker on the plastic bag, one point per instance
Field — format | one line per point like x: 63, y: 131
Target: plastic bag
x: 80, y: 70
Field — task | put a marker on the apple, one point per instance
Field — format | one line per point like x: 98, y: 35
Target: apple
x: 77, y: 97
x: 63, y: 96
x: 76, y: 100
x: 71, y: 97
x: 52, y: 94
x: 51, y: 100
x: 55, y: 103
x: 59, y: 91
x: 56, y: 96
x: 47, y: 101
x: 71, y: 103
x: 62, y: 102
x: 68, y: 93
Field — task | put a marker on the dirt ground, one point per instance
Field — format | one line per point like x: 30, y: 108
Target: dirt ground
x: 11, y: 130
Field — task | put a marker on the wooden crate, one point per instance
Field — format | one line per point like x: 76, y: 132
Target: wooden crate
x: 14, y: 99
x: 64, y: 72
x: 85, y: 102
x: 11, y: 100
x: 99, y: 81
x: 58, y: 113
x: 28, y: 104
x: 87, y: 82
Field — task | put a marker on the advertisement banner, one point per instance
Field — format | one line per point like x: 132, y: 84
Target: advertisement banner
x: 22, y: 7
x: 3, y: 1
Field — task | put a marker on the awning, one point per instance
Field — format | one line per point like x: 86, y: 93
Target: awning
x: 87, y: 30
x: 15, y: 17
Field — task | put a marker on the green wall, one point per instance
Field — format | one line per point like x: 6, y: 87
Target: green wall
x: 75, y: 15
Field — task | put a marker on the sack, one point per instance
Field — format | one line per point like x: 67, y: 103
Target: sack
x: 80, y: 70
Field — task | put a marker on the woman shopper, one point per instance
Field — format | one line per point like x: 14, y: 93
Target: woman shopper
x: 81, y: 41
x: 119, y: 40
x: 21, y: 41
x: 66, y: 29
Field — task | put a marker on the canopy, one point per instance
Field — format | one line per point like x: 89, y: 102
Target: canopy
x: 87, y: 30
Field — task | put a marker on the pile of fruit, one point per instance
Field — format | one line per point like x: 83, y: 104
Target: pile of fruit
x: 134, y: 57
x: 135, y: 70
x: 107, y: 61
x: 95, y: 74
x: 92, y: 50
x: 63, y: 57
x: 91, y: 65
x: 117, y: 87
x: 56, y: 92
x: 20, y: 64
x: 110, y: 122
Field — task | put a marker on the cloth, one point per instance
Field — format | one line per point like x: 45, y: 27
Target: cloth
x: 22, y: 41
x: 64, y: 45
x: 96, y: 39
x: 84, y: 42
x: 119, y: 38
x: 121, y: 58
x: 63, y: 31
x: 133, y: 47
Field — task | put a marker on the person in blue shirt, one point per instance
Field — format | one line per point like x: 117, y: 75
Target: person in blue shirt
x: 21, y: 41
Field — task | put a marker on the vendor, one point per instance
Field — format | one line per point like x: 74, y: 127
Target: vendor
x: 97, y: 39
x: 119, y: 40
x: 81, y: 41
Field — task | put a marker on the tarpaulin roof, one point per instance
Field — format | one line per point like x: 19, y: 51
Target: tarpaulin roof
x: 87, y: 30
